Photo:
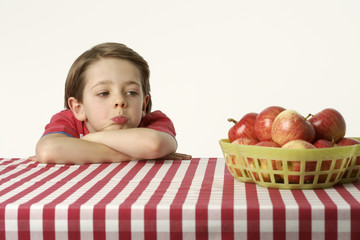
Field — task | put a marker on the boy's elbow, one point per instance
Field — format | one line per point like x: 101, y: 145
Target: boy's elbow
x: 162, y: 147
x: 44, y: 157
x: 45, y: 152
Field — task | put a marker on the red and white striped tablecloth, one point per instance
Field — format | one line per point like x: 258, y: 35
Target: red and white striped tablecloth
x: 196, y: 199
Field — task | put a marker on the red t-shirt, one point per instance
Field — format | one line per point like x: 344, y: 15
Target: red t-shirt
x: 65, y: 122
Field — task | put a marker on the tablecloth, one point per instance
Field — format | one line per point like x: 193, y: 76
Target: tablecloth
x: 196, y: 199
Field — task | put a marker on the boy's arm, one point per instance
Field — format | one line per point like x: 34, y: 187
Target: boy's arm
x: 59, y: 148
x: 139, y: 143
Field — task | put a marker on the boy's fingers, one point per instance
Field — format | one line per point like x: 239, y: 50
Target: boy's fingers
x: 184, y: 156
x: 32, y: 158
x: 176, y: 156
x: 180, y: 156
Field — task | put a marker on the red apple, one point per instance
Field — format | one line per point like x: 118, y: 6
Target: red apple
x: 294, y: 166
x: 328, y: 124
x: 326, y: 164
x: 348, y: 142
x: 234, y: 160
x: 243, y: 128
x: 268, y: 144
x: 264, y: 122
x: 263, y: 162
x: 290, y: 125
x: 298, y: 144
x: 323, y: 143
x: 246, y: 141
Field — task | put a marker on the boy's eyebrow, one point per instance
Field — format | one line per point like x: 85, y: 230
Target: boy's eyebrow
x: 105, y: 82
x: 132, y: 82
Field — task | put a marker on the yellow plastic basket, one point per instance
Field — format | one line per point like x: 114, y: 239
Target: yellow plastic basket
x: 292, y: 168
x: 352, y: 173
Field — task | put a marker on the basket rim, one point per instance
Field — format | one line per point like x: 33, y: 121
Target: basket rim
x: 289, y: 154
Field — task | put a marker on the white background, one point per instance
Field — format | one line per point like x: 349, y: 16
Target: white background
x: 209, y: 60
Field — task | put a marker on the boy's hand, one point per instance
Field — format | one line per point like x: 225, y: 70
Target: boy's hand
x: 176, y: 156
x: 90, y: 137
x: 33, y: 158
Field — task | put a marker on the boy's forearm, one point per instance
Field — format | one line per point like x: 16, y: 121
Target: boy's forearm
x: 140, y: 143
x: 57, y: 148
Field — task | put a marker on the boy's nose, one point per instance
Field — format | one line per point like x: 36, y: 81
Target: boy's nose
x: 120, y: 102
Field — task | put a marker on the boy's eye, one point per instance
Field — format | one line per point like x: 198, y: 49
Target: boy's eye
x: 103, y: 94
x: 132, y: 93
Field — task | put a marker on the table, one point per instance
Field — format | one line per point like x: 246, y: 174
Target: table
x: 196, y: 199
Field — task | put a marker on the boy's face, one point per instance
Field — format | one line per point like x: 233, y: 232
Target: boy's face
x: 112, y: 97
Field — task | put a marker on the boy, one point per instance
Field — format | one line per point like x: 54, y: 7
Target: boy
x: 108, y: 118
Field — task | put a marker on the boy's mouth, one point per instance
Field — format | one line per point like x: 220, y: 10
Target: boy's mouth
x: 119, y: 119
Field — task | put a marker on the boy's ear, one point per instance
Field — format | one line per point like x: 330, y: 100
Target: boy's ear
x: 77, y: 109
x: 145, y: 103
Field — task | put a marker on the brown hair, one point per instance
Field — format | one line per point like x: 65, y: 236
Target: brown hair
x: 75, y: 81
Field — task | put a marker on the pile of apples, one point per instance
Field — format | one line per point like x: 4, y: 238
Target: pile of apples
x: 278, y: 127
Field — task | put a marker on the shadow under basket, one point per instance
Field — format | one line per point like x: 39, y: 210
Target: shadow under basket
x: 292, y: 168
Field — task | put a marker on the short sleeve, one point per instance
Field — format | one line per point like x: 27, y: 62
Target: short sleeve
x: 65, y: 122
x: 158, y: 121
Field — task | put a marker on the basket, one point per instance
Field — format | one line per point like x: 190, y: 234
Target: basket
x: 352, y: 173
x: 292, y: 168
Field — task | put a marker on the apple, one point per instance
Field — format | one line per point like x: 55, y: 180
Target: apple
x: 263, y: 162
x: 294, y: 166
x: 267, y: 144
x: 243, y: 128
x: 290, y: 125
x: 264, y: 122
x: 323, y: 143
x: 298, y: 144
x: 326, y: 164
x: 347, y: 142
x: 246, y: 141
x: 328, y: 124
x: 232, y: 160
